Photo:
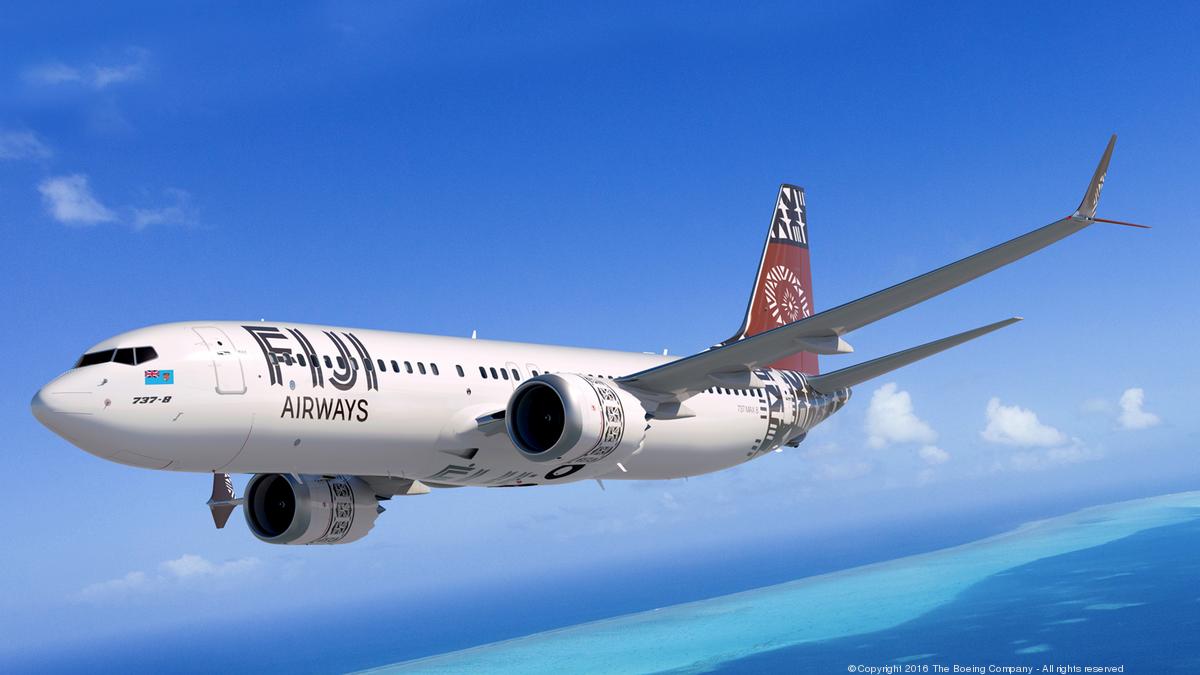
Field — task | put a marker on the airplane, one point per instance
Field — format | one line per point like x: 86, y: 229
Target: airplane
x: 331, y: 421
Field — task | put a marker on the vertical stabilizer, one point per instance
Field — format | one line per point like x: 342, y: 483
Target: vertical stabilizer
x: 783, y: 287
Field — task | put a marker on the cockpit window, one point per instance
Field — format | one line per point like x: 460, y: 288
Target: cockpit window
x: 129, y: 356
x: 95, y: 357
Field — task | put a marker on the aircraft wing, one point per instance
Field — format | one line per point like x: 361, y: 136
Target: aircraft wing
x: 821, y: 332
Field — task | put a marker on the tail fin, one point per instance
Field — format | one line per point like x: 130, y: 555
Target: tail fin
x: 783, y: 288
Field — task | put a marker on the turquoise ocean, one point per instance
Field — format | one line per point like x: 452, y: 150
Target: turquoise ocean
x: 1115, y: 587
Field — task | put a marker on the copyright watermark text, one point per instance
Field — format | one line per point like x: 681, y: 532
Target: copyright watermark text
x: 978, y: 669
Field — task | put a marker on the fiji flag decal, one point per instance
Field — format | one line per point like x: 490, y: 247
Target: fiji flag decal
x: 160, y: 377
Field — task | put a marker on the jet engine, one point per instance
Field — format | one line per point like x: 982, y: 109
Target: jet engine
x: 286, y: 509
x: 576, y: 419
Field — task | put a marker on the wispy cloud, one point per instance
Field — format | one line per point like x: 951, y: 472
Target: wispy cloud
x: 178, y: 212
x: 1014, y: 425
x: 890, y: 419
x: 1038, y: 460
x: 92, y: 75
x: 70, y: 201
x: 932, y: 454
x: 133, y: 581
x: 1132, y: 415
x: 23, y: 144
x: 171, y: 574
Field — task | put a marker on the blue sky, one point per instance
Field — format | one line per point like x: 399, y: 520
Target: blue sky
x: 597, y: 176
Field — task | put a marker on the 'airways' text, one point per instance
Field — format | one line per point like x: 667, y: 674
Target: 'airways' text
x: 314, y: 408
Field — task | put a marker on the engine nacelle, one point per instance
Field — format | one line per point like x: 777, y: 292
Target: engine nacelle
x: 281, y: 509
x: 574, y: 419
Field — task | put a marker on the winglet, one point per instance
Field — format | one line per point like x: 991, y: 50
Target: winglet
x: 1091, y: 198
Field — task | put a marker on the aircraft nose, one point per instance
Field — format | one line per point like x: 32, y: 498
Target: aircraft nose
x: 40, y: 409
x: 64, y: 407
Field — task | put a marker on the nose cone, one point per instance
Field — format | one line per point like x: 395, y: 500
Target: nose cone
x: 65, y: 407
x: 40, y: 410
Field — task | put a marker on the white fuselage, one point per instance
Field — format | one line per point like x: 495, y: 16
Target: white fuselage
x: 246, y: 398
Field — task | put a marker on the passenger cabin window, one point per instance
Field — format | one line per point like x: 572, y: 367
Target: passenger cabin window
x: 300, y: 360
x: 408, y: 367
x: 535, y: 373
x: 515, y: 375
x: 341, y: 361
x: 382, y: 366
x: 494, y: 375
x: 433, y: 369
x: 395, y: 366
x: 504, y: 373
x: 328, y: 363
x: 460, y: 371
x: 482, y: 372
x: 421, y: 367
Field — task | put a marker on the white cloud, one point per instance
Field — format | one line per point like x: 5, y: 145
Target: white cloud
x: 932, y: 454
x: 890, y: 419
x: 190, y: 565
x: 22, y: 145
x: 1132, y: 416
x: 1014, y: 425
x: 69, y: 199
x: 172, y: 574
x: 94, y: 75
x: 178, y: 213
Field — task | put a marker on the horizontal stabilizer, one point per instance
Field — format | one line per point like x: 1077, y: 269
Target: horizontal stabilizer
x: 848, y: 377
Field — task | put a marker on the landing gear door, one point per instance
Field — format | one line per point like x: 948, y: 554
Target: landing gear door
x: 227, y: 366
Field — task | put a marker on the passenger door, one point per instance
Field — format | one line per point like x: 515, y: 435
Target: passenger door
x: 227, y: 366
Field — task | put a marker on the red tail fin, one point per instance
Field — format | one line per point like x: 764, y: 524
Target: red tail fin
x: 783, y: 289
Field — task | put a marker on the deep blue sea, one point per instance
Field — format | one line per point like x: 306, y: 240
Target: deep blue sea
x: 1132, y: 602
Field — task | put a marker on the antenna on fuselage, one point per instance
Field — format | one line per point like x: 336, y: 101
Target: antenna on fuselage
x: 473, y: 334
